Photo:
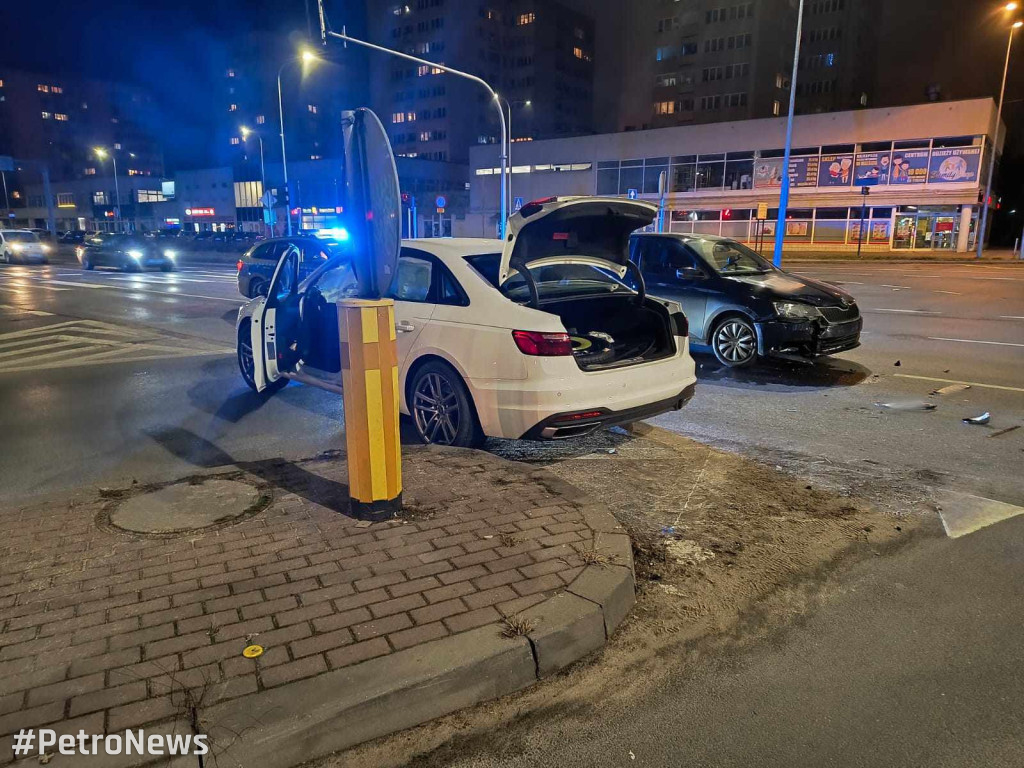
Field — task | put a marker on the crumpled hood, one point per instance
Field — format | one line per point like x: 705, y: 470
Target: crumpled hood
x: 786, y: 287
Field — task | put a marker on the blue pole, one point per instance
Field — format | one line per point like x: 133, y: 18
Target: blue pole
x: 780, y: 227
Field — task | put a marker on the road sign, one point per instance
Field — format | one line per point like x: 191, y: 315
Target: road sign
x: 762, y: 211
x: 269, y: 199
x: 631, y: 194
x: 373, y: 200
x: 441, y: 201
x: 517, y: 204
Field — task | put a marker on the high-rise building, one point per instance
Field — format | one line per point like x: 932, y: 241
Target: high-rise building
x: 702, y: 61
x: 60, y: 120
x: 537, y: 56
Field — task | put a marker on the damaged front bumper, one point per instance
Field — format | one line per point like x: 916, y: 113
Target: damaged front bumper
x: 810, y: 339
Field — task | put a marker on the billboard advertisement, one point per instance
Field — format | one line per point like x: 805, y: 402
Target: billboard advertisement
x: 835, y: 170
x: 871, y: 167
x: 803, y: 172
x: 954, y: 165
x: 909, y: 166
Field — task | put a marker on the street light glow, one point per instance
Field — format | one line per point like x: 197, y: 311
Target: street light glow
x: 1010, y: 7
x: 308, y: 56
x: 245, y: 132
x: 1018, y: 24
x: 100, y: 152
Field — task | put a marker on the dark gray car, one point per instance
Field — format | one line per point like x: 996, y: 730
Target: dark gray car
x: 256, y: 265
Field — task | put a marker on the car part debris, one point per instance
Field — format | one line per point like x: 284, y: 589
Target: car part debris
x: 897, y: 364
x: 985, y: 418
x: 950, y: 389
x: 908, y: 405
x: 1002, y: 432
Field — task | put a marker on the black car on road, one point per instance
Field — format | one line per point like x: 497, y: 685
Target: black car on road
x: 740, y: 305
x: 129, y: 253
x: 256, y: 266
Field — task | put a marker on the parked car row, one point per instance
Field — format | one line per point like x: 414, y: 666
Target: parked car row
x: 572, y: 323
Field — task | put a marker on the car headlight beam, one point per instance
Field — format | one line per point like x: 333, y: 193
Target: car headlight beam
x: 137, y: 255
x: 170, y: 254
x: 795, y: 310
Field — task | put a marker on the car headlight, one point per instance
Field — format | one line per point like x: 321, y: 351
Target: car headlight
x: 794, y: 310
x: 170, y: 254
x: 16, y: 247
x: 44, y: 248
x: 135, y: 254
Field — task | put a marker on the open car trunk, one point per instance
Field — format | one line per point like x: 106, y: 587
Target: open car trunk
x: 615, y: 331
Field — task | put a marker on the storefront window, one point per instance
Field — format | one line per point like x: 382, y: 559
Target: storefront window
x: 608, y: 177
x: 711, y: 172
x: 739, y: 174
x: 653, y: 168
x: 684, y: 173
x: 631, y: 176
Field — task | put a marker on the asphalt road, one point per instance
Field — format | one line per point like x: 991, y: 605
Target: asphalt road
x: 106, y: 376
x: 913, y: 660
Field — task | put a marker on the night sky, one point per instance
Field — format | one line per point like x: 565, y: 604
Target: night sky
x: 175, y: 49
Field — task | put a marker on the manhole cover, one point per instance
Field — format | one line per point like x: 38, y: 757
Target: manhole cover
x: 186, y: 506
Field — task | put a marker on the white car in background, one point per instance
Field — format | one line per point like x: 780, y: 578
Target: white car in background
x: 539, y: 337
x: 23, y: 246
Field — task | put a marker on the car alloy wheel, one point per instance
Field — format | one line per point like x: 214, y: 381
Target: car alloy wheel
x: 735, y: 343
x: 247, y: 367
x: 437, y: 410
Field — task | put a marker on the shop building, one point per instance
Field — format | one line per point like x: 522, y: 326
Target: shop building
x: 923, y: 166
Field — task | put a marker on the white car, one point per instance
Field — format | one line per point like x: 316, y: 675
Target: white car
x: 539, y: 337
x: 22, y: 245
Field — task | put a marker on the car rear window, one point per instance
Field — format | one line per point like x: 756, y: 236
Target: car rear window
x: 552, y: 280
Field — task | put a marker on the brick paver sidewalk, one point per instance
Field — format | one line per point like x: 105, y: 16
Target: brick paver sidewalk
x: 105, y: 630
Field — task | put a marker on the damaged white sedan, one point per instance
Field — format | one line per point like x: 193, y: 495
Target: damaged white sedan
x: 548, y: 335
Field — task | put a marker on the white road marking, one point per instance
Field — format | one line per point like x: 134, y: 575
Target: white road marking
x: 977, y: 341
x: 128, y: 288
x: 896, y: 287
x: 951, y: 293
x: 907, y: 311
x: 36, y: 312
x: 45, y: 283
x: 954, y: 381
x: 964, y: 513
x: 21, y: 288
x: 1012, y: 317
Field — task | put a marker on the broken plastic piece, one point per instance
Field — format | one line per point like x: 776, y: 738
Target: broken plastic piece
x: 252, y: 651
x: 908, y: 405
x: 897, y: 364
x: 985, y: 418
x: 950, y: 389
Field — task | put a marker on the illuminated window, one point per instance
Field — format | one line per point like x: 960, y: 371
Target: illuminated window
x: 60, y: 116
x: 316, y: 157
x: 665, y: 108
x: 398, y: 117
x: 100, y: 198
x: 312, y: 108
x: 234, y: 140
x: 1, y: 83
x: 261, y: 119
x: 89, y: 171
x: 231, y: 73
x: 47, y: 115
x: 579, y: 53
x: 65, y: 199
x: 117, y: 145
x: 56, y: 89
x: 134, y: 172
x: 775, y: 108
x: 525, y: 18
x: 233, y: 108
x: 16, y: 195
x: 43, y: 88
x: 410, y: 116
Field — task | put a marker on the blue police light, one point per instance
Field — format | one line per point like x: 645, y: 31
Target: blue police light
x: 334, y: 233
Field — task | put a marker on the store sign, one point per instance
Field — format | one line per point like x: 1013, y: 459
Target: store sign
x: 871, y: 168
x: 200, y: 212
x: 909, y: 166
x: 955, y: 165
x: 835, y: 170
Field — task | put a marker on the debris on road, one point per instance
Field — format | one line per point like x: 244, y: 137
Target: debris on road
x: 687, y: 552
x: 897, y: 364
x: 950, y: 389
x: 1002, y: 432
x: 908, y: 405
x: 985, y: 418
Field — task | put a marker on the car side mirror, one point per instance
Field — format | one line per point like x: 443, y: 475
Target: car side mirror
x: 689, y: 273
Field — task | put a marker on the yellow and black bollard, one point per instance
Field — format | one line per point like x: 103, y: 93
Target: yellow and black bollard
x: 369, y: 372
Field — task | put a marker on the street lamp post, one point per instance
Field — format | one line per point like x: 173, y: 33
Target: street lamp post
x: 246, y: 133
x: 780, y: 226
x: 305, y: 57
x: 982, y: 223
x: 508, y: 151
x: 503, y: 207
x: 102, y: 153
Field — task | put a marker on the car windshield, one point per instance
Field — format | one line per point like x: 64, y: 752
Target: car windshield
x: 727, y: 257
x: 125, y: 241
x: 553, y: 280
x: 21, y: 237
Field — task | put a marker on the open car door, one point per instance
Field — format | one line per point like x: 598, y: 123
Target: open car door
x: 275, y: 324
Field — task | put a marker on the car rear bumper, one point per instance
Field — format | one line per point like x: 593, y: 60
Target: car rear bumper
x: 775, y: 338
x: 562, y: 426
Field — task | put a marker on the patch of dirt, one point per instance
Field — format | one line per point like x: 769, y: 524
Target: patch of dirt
x: 725, y: 550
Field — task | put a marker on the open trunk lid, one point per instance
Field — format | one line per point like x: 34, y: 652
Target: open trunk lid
x: 593, y: 230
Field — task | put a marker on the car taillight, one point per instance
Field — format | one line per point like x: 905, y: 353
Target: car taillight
x: 238, y: 265
x: 543, y: 344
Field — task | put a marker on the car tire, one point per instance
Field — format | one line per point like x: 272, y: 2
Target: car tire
x: 243, y: 354
x: 734, y: 342
x: 442, y: 410
x: 257, y: 288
